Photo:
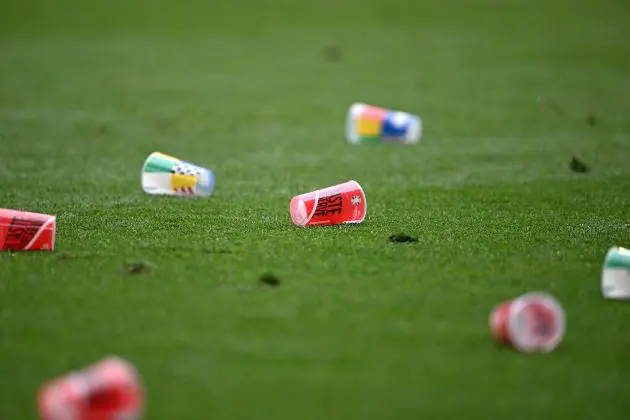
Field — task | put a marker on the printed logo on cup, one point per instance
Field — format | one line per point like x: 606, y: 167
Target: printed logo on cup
x: 343, y: 203
x: 165, y: 175
x: 372, y: 124
x: 25, y: 231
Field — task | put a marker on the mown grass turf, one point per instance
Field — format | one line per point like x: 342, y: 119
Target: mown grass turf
x: 358, y: 328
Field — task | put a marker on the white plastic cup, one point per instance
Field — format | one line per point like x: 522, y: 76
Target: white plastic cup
x: 373, y: 124
x: 166, y: 175
x: 616, y: 274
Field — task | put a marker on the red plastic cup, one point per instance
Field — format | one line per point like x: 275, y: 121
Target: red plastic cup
x: 108, y: 390
x: 534, y: 322
x: 24, y: 231
x: 343, y: 203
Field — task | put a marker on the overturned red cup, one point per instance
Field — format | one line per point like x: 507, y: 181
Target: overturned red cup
x: 343, y: 203
x: 534, y: 322
x: 24, y: 231
x: 108, y: 390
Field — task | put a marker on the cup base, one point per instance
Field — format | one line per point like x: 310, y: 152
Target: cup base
x: 534, y: 322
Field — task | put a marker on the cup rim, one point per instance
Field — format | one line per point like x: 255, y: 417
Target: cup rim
x: 523, y: 340
x: 354, y: 110
x: 365, y: 205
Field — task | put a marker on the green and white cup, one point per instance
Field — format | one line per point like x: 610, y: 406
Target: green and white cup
x: 166, y: 175
x: 616, y: 274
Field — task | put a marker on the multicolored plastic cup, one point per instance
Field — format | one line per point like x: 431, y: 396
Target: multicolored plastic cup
x: 373, y: 124
x: 166, y: 175
x: 25, y: 231
x: 616, y: 274
x: 343, y: 203
x: 534, y: 322
x: 108, y: 390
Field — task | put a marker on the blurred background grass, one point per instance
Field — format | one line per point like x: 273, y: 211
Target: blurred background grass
x: 358, y: 328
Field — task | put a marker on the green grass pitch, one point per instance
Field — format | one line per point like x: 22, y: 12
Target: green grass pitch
x: 257, y: 91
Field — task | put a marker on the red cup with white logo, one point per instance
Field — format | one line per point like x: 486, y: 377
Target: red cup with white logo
x: 339, y: 204
x: 534, y: 322
x: 24, y: 231
x: 108, y: 390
